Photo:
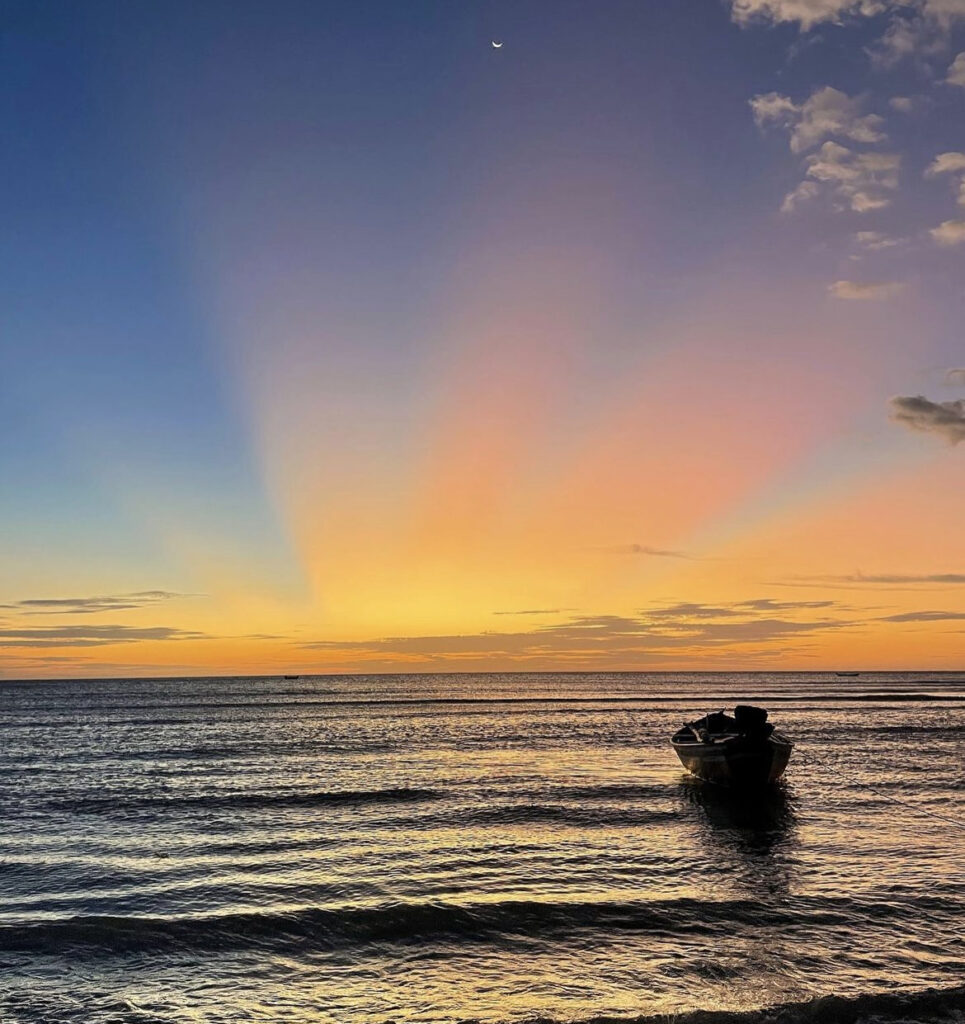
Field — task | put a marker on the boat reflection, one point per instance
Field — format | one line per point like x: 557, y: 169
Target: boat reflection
x: 752, y: 835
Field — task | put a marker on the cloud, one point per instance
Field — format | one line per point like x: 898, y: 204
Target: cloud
x: 915, y: 29
x: 936, y: 15
x: 903, y: 104
x: 646, y: 549
x: 79, y: 665
x: 686, y: 627
x: 949, y: 232
x: 858, y: 180
x: 770, y: 605
x: 887, y: 579
x: 955, y: 376
x: 944, y: 11
x: 826, y: 113
x: 946, y: 419
x: 805, y: 191
x: 946, y: 163
x: 90, y: 636
x: 861, y: 202
x: 92, y: 605
x: 875, y: 240
x: 685, y: 610
x: 869, y: 292
x: 773, y: 108
x: 694, y: 610
x: 895, y: 581
x: 926, y: 616
x: 805, y: 13
x: 952, y: 164
x: 910, y: 37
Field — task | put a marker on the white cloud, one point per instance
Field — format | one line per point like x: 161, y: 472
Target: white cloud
x: 806, y: 13
x: 865, y: 292
x: 859, y: 181
x: 839, y: 164
x: 903, y: 104
x: 915, y: 29
x: 826, y: 113
x: 909, y: 37
x: 949, y: 232
x: 805, y: 191
x: 875, y: 240
x: 944, y: 11
x: 955, y: 375
x: 946, y: 163
x: 956, y: 72
x: 861, y: 202
x: 773, y: 108
x: 950, y: 163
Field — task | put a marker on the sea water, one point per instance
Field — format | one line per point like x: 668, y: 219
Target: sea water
x: 474, y: 847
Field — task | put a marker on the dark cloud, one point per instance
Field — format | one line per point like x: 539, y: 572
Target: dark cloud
x: 92, y: 605
x: 28, y: 664
x: 695, y: 610
x: 90, y: 636
x: 858, y: 580
x: 601, y: 640
x: 946, y: 419
x: 927, y: 616
x: 646, y: 549
x: 769, y: 605
x: 691, y: 610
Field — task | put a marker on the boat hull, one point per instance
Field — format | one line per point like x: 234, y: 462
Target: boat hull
x: 736, y: 762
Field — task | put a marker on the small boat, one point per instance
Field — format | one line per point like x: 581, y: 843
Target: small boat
x: 847, y: 675
x: 291, y: 677
x: 739, y: 750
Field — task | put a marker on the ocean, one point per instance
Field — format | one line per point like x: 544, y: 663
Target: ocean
x: 489, y: 848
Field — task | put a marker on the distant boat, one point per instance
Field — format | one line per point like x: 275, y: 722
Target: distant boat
x: 743, y: 750
x: 847, y: 675
x: 291, y: 677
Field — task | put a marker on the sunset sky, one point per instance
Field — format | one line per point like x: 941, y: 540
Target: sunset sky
x: 336, y: 339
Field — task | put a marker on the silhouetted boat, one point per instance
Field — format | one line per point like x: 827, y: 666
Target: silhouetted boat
x: 743, y: 750
x: 847, y: 675
x: 291, y: 677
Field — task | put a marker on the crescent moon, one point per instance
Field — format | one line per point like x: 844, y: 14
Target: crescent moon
x: 496, y: 45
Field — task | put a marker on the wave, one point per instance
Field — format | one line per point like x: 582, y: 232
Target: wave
x: 123, y: 803
x: 921, y: 1005
x: 559, y: 814
x: 612, y: 791
x: 557, y: 809
x: 317, y: 928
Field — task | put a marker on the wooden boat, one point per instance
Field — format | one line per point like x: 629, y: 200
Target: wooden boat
x: 743, y: 750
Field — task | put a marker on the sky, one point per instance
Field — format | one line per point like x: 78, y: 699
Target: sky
x: 334, y: 338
